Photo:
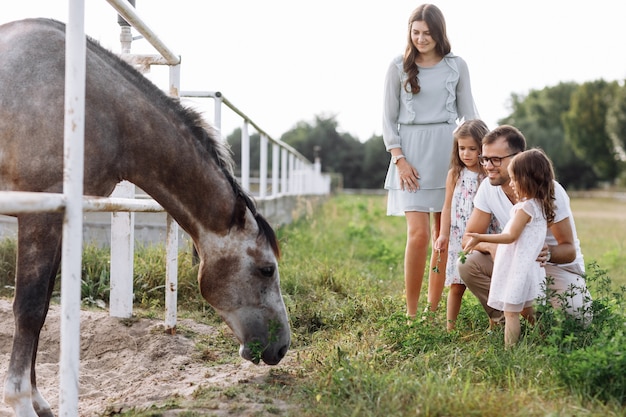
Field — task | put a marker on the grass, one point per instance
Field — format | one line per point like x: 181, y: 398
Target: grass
x: 364, y: 360
x: 355, y: 355
x: 601, y: 226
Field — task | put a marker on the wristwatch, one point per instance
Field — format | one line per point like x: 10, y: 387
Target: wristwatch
x: 395, y: 159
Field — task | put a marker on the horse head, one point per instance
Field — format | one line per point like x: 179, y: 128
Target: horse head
x: 239, y: 277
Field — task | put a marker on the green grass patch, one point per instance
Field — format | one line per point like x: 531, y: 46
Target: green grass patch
x: 354, y: 353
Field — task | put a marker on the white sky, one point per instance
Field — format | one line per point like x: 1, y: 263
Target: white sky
x: 286, y: 61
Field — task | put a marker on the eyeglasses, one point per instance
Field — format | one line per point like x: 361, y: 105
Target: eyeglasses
x: 496, y: 161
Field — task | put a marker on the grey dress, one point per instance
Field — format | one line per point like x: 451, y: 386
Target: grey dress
x: 422, y: 125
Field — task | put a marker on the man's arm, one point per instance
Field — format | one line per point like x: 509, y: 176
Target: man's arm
x: 565, y: 250
x: 478, y: 223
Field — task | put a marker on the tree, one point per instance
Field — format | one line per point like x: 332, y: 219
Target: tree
x: 585, y: 127
x: 375, y: 163
x: 234, y: 141
x: 616, y: 121
x: 339, y: 153
x: 538, y: 115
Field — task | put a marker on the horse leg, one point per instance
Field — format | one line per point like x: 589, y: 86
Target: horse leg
x: 39, y: 254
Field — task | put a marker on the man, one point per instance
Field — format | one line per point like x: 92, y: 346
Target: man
x: 561, y: 255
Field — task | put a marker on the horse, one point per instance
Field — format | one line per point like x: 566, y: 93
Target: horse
x: 134, y: 132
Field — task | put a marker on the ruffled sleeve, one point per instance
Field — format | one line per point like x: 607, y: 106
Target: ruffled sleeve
x: 460, y: 103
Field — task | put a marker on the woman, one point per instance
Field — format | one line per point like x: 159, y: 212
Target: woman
x: 427, y: 90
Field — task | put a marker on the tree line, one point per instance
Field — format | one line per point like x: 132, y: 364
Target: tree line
x: 582, y: 127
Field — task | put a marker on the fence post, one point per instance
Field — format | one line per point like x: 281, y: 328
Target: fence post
x: 284, y: 161
x: 122, y: 225
x: 275, y: 168
x: 245, y: 156
x: 73, y: 173
x: 122, y: 255
x: 217, y: 113
x: 263, y: 166
x: 171, y: 247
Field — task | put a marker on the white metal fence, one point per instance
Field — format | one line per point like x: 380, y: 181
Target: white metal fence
x: 291, y: 174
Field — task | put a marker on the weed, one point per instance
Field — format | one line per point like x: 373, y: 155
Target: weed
x: 462, y: 256
x: 257, y: 349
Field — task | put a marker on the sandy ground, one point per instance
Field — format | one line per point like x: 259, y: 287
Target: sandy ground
x: 139, y: 365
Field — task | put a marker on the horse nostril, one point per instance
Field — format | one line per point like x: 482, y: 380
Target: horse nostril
x: 283, y: 351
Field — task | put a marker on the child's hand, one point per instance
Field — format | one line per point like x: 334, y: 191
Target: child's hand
x: 441, y: 243
x: 475, y: 240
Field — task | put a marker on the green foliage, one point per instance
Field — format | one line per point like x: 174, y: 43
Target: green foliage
x: 375, y: 163
x: 234, y: 141
x: 257, y: 349
x: 585, y: 127
x: 8, y: 254
x: 95, y: 276
x: 589, y: 356
x: 360, y: 165
x: 338, y: 152
x: 582, y: 128
x: 364, y: 358
x: 616, y: 121
x: 539, y: 116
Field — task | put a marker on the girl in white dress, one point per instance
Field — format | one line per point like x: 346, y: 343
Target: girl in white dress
x: 462, y: 182
x: 517, y: 276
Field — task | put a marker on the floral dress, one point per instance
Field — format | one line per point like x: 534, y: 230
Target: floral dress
x: 460, y: 211
x: 517, y: 276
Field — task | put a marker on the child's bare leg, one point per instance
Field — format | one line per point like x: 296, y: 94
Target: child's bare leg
x: 511, y: 328
x: 436, y: 278
x: 455, y: 295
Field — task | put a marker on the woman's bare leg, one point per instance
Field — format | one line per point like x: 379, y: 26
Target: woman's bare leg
x: 437, y: 271
x: 415, y: 257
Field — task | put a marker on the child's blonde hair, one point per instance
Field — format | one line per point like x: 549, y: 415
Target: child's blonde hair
x: 476, y: 129
x: 533, y: 174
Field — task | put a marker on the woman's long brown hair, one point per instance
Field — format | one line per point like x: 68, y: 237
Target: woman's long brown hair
x: 433, y: 17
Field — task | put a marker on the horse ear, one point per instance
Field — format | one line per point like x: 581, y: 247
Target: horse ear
x: 239, y: 216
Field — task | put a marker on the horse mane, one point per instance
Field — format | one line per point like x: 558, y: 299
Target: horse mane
x: 205, y: 134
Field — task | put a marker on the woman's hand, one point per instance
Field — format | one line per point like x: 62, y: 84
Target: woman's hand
x: 408, y: 176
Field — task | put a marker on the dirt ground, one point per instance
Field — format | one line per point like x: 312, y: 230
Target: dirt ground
x: 135, y: 366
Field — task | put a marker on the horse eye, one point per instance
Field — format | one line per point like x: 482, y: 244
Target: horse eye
x: 267, y: 271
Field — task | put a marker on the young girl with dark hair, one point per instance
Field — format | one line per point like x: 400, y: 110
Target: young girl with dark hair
x: 517, y: 278
x: 464, y: 177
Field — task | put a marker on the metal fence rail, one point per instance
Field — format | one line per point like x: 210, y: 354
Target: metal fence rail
x: 291, y: 174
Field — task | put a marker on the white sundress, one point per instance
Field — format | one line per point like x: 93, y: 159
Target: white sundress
x: 517, y: 277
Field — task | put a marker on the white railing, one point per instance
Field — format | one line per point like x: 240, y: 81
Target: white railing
x: 291, y: 174
x: 296, y: 176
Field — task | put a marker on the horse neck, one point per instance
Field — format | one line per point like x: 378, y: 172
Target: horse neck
x: 184, y: 178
